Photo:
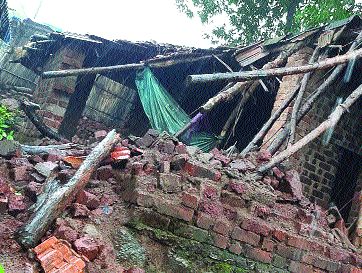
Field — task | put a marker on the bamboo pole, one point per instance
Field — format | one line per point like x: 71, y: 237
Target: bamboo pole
x: 284, y: 71
x: 332, y: 120
x: 60, y: 196
x: 298, y: 100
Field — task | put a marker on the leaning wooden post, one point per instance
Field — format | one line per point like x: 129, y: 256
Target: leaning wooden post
x: 332, y: 120
x: 234, y: 113
x: 264, y: 130
x: 298, y: 100
x: 54, y: 204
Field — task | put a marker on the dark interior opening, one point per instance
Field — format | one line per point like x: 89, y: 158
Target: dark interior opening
x: 346, y: 181
x: 256, y: 112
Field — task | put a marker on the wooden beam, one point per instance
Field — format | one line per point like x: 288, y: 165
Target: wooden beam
x: 29, y: 110
x: 234, y: 89
x: 298, y: 100
x: 257, y: 74
x: 154, y: 63
x: 281, y: 137
x: 60, y: 196
x: 331, y: 121
x: 266, y: 127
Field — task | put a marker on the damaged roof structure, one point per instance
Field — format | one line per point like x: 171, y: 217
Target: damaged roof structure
x: 276, y: 186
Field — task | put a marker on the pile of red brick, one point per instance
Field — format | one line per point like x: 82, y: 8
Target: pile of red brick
x: 267, y: 220
x: 209, y: 197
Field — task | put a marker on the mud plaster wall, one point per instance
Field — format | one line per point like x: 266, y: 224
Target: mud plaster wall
x: 316, y: 162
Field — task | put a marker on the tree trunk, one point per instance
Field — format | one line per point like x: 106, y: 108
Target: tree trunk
x: 298, y: 100
x: 290, y: 14
x: 60, y: 197
x: 332, y: 120
x: 284, y: 71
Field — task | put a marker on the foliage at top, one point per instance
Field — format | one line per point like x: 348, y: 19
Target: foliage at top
x: 7, y: 121
x: 247, y: 21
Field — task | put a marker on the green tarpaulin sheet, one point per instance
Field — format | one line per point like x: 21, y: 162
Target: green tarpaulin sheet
x: 163, y: 111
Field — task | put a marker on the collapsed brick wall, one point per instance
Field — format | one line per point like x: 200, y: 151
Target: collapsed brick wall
x: 316, y: 162
x: 190, y: 196
x: 53, y: 94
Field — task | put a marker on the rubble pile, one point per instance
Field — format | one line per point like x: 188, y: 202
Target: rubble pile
x: 158, y: 182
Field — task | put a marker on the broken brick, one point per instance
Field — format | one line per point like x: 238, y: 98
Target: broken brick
x: 213, y: 208
x: 258, y: 254
x: 204, y: 221
x: 219, y: 240
x: 196, y: 169
x: 16, y: 204
x: 263, y: 156
x: 80, y: 210
x: 88, y: 247
x: 294, y: 185
x: 65, y: 232
x: 170, y: 182
x: 256, y: 226
x: 88, y: 199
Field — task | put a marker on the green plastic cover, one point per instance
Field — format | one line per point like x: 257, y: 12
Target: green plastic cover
x: 163, y: 111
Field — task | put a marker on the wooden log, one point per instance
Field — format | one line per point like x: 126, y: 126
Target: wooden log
x: 332, y: 120
x: 155, y: 63
x: 34, y: 150
x: 298, y: 100
x: 236, y: 88
x: 266, y: 127
x: 29, y: 110
x: 54, y: 204
x: 195, y: 119
x: 257, y: 74
x: 281, y: 137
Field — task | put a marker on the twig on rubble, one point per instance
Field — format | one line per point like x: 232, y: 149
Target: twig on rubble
x: 332, y: 120
x: 279, y: 140
x: 55, y: 203
x: 29, y: 109
x: 284, y: 71
x: 298, y: 100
